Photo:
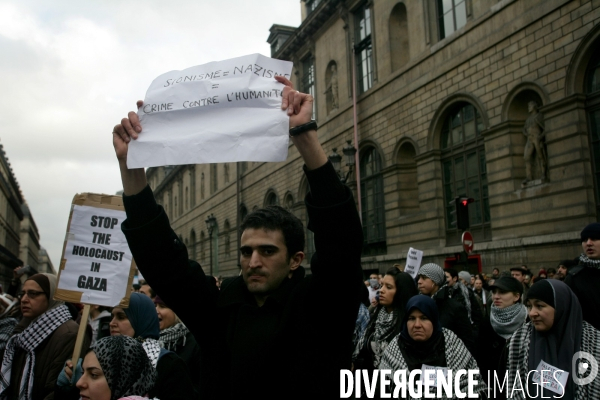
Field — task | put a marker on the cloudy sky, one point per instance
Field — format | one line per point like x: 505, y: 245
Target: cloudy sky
x: 70, y: 70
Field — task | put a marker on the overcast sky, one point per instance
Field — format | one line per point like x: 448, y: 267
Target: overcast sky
x: 70, y: 70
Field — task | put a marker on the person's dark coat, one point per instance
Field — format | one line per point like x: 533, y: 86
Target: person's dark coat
x: 453, y: 316
x: 50, y: 357
x: 584, y: 281
x: 296, y: 343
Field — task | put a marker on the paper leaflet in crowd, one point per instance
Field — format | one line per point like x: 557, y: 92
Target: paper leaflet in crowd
x: 223, y: 111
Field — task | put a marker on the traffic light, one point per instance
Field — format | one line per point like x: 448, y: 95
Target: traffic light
x: 461, y: 211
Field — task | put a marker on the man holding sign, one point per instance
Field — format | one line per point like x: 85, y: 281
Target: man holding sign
x: 261, y: 336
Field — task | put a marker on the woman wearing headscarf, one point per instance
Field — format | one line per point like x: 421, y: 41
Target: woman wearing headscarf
x: 555, y: 333
x: 116, y: 367
x: 397, y: 287
x: 41, y: 342
x: 175, y: 336
x: 140, y: 321
x: 507, y: 314
x: 423, y: 341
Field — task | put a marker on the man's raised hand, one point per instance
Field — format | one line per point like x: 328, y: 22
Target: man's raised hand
x: 128, y: 129
x: 299, y: 106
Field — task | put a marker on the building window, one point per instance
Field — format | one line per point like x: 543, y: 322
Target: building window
x: 363, y: 48
x: 373, y: 213
x: 193, y: 244
x: 271, y: 200
x: 308, y: 81
x: 464, y: 170
x: 452, y: 15
x: 193, y: 186
x: 214, y: 185
x: 592, y: 86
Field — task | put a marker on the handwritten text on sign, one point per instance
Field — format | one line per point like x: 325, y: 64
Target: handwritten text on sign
x: 97, y: 256
x: 413, y: 262
x: 223, y: 111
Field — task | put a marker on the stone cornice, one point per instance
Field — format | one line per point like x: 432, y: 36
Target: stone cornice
x: 313, y: 22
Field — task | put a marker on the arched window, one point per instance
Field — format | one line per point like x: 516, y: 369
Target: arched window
x: 398, y: 26
x: 592, y: 88
x: 464, y: 170
x: 226, y: 229
x: 310, y: 236
x: 214, y: 182
x: 193, y: 244
x: 243, y: 212
x: 373, y: 214
x: 271, y: 199
x: 202, y: 247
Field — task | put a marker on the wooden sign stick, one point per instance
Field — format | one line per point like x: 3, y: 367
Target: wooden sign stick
x: 80, y: 335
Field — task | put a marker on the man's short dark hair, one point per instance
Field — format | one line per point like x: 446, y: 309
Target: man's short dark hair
x: 273, y: 218
x: 453, y: 273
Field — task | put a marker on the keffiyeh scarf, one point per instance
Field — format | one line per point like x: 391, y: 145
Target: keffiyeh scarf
x: 507, y: 320
x: 588, y: 262
x: 457, y: 357
x: 152, y: 348
x: 29, y: 340
x: 170, y: 337
x: 7, y: 325
x: 384, y: 325
x: 125, y: 365
x: 518, y: 357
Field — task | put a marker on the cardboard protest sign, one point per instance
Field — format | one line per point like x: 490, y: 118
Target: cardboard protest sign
x: 97, y: 266
x: 413, y: 262
x: 224, y: 111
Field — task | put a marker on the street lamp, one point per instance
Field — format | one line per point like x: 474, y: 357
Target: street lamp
x: 336, y: 160
x: 211, y: 223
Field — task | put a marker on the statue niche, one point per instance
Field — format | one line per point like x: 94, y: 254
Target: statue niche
x: 331, y: 91
x: 535, y: 153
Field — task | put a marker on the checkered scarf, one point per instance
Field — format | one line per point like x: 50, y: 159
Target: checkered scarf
x: 169, y: 337
x: 518, y: 354
x: 7, y: 325
x: 152, y: 348
x: 377, y: 339
x: 457, y: 357
x: 29, y: 340
x: 588, y: 262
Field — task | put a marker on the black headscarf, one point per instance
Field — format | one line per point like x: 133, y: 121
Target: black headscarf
x: 142, y: 316
x: 127, y: 369
x: 431, y: 351
x: 557, y: 345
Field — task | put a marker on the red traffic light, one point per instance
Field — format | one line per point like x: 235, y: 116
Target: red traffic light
x: 466, y: 200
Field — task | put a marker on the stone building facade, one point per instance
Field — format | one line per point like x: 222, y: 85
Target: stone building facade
x: 19, y: 236
x: 494, y: 100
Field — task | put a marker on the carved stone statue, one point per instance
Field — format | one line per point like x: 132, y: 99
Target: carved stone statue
x: 332, y: 86
x: 535, y: 148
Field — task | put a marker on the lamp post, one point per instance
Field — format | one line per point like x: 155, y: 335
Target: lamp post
x: 349, y: 151
x: 211, y: 222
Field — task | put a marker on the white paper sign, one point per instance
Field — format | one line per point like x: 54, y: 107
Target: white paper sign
x: 551, y: 378
x: 98, y: 259
x: 413, y: 262
x: 429, y: 373
x: 224, y: 111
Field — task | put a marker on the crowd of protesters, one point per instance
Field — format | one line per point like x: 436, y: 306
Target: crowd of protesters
x: 277, y: 332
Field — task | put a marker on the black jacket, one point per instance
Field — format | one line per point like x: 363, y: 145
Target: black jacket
x: 296, y: 343
x: 584, y: 282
